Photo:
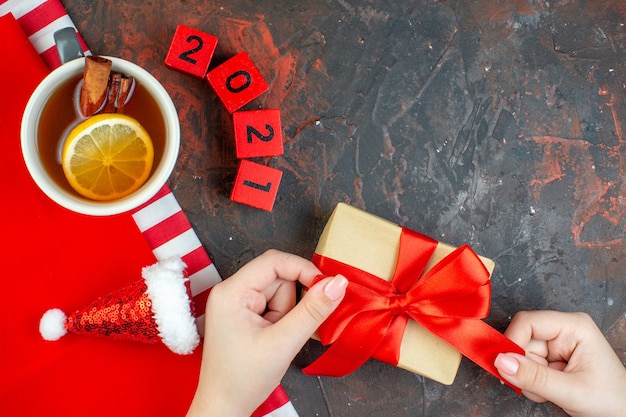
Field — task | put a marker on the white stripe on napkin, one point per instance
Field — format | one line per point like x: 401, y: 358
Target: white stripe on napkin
x: 43, y: 39
x: 286, y: 410
x: 156, y: 212
x: 19, y: 7
x: 204, y: 279
x: 180, y: 245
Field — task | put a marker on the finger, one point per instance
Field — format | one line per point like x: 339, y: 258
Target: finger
x: 540, y: 325
x: 538, y: 382
x: 281, y: 301
x: 540, y: 359
x: 318, y: 303
x: 261, y: 272
x: 537, y: 348
x: 559, y: 366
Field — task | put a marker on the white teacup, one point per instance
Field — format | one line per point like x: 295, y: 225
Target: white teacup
x: 165, y: 156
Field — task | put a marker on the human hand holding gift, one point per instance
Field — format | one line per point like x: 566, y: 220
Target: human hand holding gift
x: 254, y: 329
x: 568, y: 362
x: 411, y: 301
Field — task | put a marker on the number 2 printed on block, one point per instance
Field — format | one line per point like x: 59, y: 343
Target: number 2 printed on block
x: 191, y: 51
x: 258, y: 133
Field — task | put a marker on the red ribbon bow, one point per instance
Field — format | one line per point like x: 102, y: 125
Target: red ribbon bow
x: 449, y: 300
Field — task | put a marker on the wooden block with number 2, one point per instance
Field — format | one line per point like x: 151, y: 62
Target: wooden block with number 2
x: 191, y: 51
x: 258, y: 133
x: 256, y: 185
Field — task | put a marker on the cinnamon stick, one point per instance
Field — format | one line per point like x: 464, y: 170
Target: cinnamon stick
x: 113, y: 91
x: 95, y: 82
x: 125, y: 88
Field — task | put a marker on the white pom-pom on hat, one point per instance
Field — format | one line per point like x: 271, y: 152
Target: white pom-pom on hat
x: 52, y: 325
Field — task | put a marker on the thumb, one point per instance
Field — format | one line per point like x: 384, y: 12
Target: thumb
x: 318, y: 303
x: 538, y: 382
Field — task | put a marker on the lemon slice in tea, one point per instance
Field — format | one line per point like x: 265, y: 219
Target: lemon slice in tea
x: 108, y: 156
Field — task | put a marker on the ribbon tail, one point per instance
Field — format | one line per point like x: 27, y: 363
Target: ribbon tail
x: 339, y: 360
x: 356, y: 344
x: 476, y: 340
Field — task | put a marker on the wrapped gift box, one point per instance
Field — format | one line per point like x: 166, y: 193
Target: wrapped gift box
x: 371, y: 244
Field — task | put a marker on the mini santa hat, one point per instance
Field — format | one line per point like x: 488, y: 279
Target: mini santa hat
x: 155, y: 309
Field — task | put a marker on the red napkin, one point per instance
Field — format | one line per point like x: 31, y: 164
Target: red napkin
x: 39, y: 19
x: 57, y: 258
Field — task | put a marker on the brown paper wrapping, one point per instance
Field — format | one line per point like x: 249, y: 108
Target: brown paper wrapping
x: 370, y: 243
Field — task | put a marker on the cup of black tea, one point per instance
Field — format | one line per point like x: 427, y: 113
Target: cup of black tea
x: 53, y: 114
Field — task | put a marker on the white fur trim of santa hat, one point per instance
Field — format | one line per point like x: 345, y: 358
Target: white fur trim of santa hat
x: 171, y: 305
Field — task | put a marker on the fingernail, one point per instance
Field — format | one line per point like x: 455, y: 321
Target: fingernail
x: 336, y: 287
x: 507, y: 364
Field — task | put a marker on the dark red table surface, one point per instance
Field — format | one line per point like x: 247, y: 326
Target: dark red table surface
x: 498, y: 124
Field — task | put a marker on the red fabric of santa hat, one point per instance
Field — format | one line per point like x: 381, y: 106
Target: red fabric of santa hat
x: 156, y: 309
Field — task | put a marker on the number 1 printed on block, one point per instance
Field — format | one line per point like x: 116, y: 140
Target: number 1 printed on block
x: 191, y: 51
x: 256, y: 185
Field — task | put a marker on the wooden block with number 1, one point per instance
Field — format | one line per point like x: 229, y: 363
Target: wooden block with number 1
x: 237, y: 82
x: 191, y: 51
x: 256, y: 185
x: 258, y: 133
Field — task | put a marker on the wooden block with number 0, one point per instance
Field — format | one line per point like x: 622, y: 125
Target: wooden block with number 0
x: 256, y: 185
x: 237, y: 82
x: 191, y: 51
x: 258, y: 133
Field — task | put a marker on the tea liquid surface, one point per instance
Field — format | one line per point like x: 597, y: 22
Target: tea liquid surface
x: 60, y: 115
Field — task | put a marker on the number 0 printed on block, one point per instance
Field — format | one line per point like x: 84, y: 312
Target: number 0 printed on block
x: 237, y: 82
x: 191, y: 51
x: 256, y: 185
x: 258, y: 133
